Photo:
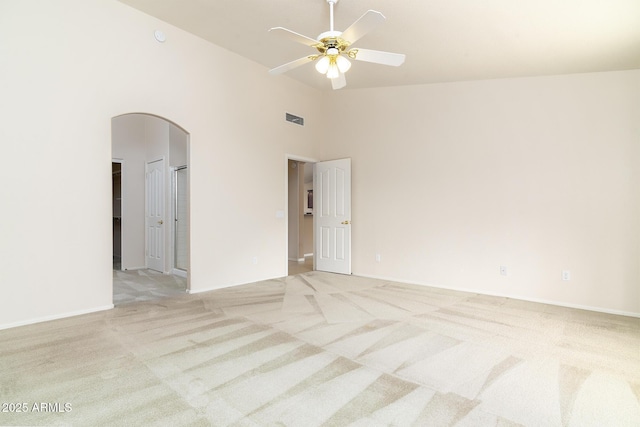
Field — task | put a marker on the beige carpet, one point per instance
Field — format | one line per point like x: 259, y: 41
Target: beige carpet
x: 322, y: 349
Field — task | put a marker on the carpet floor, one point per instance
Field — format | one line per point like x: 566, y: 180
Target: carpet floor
x: 320, y: 349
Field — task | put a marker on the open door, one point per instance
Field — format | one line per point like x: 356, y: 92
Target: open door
x: 332, y: 215
x: 154, y: 215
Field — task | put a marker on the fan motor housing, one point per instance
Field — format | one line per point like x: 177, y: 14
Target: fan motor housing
x: 331, y: 39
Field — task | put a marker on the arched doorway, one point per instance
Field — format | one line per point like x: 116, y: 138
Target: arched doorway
x: 150, y: 207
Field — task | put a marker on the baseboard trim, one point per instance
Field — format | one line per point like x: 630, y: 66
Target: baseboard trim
x: 133, y: 268
x: 56, y: 317
x: 231, y: 285
x: 516, y: 297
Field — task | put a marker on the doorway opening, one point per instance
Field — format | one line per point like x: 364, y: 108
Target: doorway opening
x: 153, y: 219
x: 116, y: 190
x: 180, y: 221
x: 300, y: 243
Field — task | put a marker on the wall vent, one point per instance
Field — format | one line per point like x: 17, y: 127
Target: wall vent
x: 295, y: 119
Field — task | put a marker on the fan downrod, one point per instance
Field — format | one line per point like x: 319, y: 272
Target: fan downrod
x: 331, y: 4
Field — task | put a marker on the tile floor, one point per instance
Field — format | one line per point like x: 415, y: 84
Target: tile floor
x: 145, y: 285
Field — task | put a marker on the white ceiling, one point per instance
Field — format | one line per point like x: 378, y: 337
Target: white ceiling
x: 444, y: 40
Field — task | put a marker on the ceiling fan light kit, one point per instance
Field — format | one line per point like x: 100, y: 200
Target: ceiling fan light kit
x: 333, y: 47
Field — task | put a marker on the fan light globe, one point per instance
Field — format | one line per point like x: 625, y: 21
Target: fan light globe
x: 333, y: 71
x: 323, y: 65
x: 343, y: 64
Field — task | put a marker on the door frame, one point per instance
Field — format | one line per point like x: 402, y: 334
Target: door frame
x: 173, y: 196
x: 287, y: 158
x: 122, y: 204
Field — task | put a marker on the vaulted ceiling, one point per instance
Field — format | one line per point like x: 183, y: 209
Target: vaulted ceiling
x: 444, y: 40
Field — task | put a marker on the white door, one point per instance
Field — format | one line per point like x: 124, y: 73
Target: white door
x: 154, y: 215
x: 332, y: 215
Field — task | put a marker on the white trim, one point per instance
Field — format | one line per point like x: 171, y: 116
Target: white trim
x: 172, y: 213
x: 515, y: 297
x: 122, y: 205
x: 308, y: 255
x: 56, y: 317
x: 229, y: 285
x: 173, y: 196
x: 300, y: 158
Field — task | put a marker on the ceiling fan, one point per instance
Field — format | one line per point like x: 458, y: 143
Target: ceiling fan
x: 335, y: 50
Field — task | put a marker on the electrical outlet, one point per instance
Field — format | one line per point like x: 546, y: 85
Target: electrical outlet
x: 503, y: 270
x: 254, y: 260
x: 566, y: 275
x: 378, y: 258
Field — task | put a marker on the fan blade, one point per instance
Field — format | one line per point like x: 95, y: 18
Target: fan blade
x: 292, y: 35
x: 339, y: 82
x: 293, y: 64
x: 367, y: 22
x: 377, y: 56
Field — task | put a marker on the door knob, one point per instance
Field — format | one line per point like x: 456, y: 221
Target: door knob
x: 346, y: 222
x: 161, y: 222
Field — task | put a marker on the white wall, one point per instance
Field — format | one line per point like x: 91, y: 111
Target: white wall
x: 129, y: 145
x: 537, y: 174
x: 178, y: 146
x: 67, y: 68
x: 450, y: 181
